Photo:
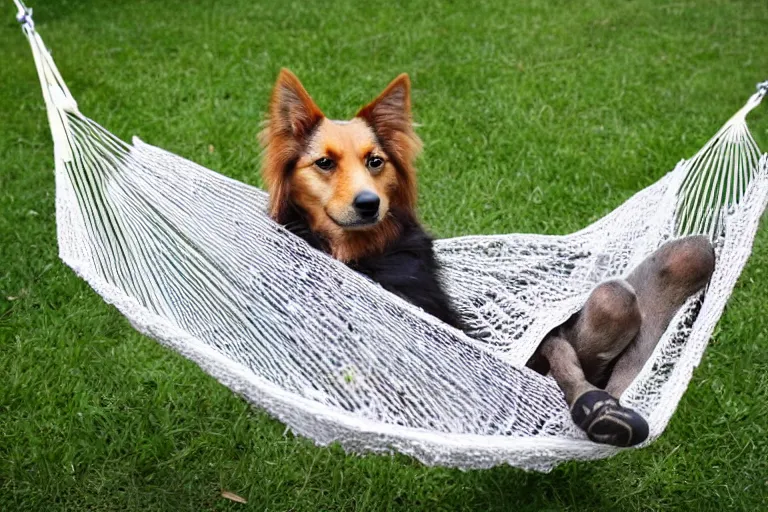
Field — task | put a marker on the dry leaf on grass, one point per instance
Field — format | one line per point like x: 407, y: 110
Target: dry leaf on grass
x: 233, y: 497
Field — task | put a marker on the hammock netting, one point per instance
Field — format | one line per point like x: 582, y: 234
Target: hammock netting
x: 191, y: 258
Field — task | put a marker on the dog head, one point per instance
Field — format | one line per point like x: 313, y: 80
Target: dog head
x: 347, y: 176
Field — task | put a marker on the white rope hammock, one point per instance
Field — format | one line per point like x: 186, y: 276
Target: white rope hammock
x: 192, y: 260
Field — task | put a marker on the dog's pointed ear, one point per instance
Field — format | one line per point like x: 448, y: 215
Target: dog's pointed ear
x: 390, y: 112
x: 291, y: 109
x: 389, y: 115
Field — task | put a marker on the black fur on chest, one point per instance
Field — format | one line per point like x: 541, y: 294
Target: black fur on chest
x: 407, y: 266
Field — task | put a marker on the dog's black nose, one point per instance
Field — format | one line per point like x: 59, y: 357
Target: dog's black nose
x: 367, y: 204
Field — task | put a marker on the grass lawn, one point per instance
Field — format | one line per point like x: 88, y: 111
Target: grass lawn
x: 536, y: 115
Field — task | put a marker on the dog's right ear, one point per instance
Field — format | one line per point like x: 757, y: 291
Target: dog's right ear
x: 292, y: 117
x: 291, y: 109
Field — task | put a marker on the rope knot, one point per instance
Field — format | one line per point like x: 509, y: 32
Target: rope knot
x: 24, y: 16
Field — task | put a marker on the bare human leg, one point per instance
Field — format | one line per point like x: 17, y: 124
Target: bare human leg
x: 662, y: 283
x: 607, y: 343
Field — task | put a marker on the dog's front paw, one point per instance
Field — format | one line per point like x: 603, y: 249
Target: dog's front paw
x: 605, y: 421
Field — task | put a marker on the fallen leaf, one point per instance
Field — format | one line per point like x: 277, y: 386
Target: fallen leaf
x: 233, y: 497
x: 210, y: 148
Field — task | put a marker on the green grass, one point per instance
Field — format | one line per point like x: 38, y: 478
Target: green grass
x: 537, y: 116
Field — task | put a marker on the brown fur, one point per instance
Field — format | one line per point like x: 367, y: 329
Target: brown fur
x: 297, y: 134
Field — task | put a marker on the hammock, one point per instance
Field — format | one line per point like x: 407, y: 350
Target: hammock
x: 191, y: 258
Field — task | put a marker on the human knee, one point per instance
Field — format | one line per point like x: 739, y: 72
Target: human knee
x: 689, y: 262
x: 613, y: 303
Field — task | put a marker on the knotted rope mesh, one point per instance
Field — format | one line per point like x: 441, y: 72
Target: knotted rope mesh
x: 191, y: 258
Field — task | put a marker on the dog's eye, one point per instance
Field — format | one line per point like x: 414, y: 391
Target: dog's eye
x: 375, y: 163
x: 326, y: 164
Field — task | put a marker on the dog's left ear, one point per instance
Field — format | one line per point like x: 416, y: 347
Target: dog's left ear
x: 389, y: 115
x: 391, y: 111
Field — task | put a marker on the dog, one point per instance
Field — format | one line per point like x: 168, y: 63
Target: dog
x: 348, y: 188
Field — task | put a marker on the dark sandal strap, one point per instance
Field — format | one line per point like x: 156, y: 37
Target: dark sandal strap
x: 605, y: 421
